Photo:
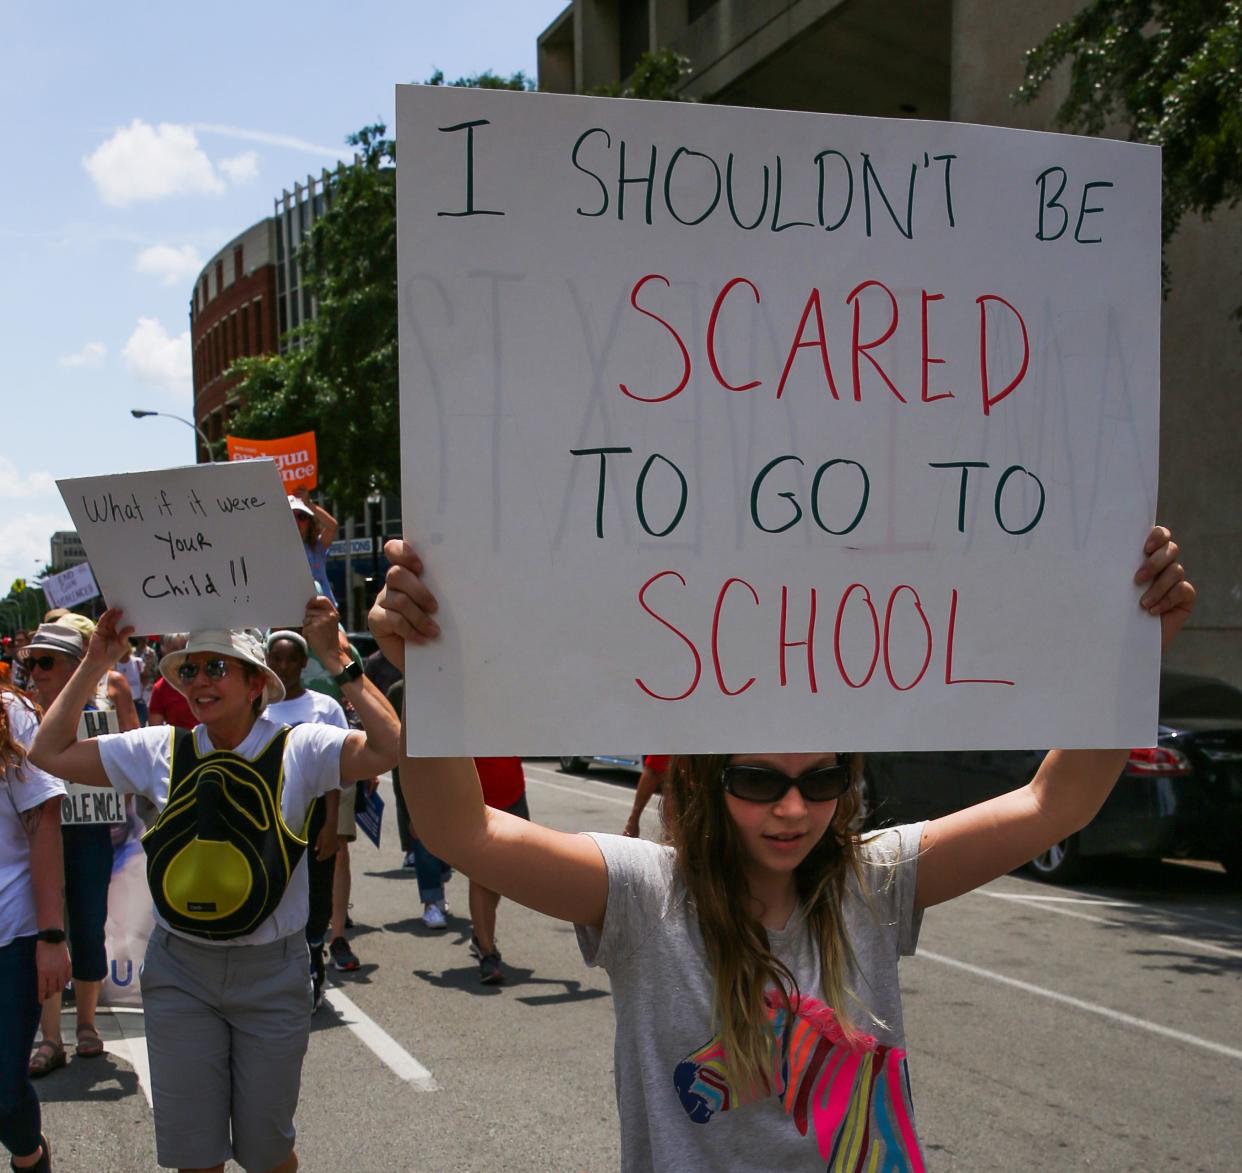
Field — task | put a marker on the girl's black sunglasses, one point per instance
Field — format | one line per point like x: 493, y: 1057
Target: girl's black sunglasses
x: 212, y: 669
x: 764, y: 784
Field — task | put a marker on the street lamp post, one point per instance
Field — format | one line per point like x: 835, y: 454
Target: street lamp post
x: 138, y: 413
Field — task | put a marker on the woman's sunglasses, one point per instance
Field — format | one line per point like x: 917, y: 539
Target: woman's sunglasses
x: 212, y: 669
x: 763, y: 784
x: 43, y: 663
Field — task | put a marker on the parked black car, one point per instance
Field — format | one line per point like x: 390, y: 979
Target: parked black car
x: 1181, y: 798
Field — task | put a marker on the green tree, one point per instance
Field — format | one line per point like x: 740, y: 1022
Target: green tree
x: 657, y: 76
x: 1170, y: 73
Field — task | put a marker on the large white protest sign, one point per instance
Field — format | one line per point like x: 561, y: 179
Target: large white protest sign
x: 729, y: 429
x: 204, y: 546
x: 70, y: 587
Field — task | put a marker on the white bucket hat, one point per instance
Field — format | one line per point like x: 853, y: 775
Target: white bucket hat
x: 240, y: 645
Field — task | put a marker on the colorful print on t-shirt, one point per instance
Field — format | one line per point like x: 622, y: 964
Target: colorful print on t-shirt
x: 853, y: 1090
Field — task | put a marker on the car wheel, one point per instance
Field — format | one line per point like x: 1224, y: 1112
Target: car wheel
x: 573, y: 765
x: 1060, y: 864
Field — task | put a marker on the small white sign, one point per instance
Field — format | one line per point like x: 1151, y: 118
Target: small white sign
x: 204, y: 546
x: 71, y: 587
x: 83, y: 805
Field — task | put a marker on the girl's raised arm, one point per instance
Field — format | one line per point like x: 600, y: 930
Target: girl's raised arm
x: 970, y: 847
x: 550, y: 871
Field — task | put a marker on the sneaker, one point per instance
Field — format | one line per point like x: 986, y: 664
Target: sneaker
x: 433, y: 916
x: 343, y: 957
x: 410, y: 861
x: 490, y: 971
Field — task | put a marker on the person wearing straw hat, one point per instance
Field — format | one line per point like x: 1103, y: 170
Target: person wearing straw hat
x: 226, y: 981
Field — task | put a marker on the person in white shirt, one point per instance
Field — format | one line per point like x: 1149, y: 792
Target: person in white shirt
x: 225, y: 983
x: 34, y: 961
x: 287, y: 655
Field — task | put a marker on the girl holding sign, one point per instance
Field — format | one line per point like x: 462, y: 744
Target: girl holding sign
x: 754, y: 961
x: 226, y: 981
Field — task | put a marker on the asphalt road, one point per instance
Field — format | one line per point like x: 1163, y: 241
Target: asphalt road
x: 1096, y: 1027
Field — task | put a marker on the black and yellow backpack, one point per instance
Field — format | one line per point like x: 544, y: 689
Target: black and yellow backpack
x: 220, y: 856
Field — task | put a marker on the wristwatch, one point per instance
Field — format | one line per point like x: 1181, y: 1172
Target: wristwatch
x: 347, y: 675
x: 51, y: 936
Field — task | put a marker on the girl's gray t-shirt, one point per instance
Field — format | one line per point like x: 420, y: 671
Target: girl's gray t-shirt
x: 834, y: 1105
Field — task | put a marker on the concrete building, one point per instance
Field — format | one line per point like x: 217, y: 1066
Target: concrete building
x: 961, y: 60
x: 67, y: 550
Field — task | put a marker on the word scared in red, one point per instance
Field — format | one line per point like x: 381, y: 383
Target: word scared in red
x: 857, y: 611
x: 810, y: 335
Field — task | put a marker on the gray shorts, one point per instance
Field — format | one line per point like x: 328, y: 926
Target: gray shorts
x: 227, y: 1029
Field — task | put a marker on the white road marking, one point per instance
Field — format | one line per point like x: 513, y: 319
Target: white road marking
x: 1090, y: 1007
x: 393, y: 1054
x: 1044, y: 904
x: 132, y: 1047
x: 625, y: 802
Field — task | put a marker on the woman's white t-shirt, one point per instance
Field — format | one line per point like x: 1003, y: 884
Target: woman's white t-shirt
x: 23, y: 792
x: 139, y: 762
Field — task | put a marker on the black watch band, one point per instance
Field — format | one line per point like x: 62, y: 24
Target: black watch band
x: 51, y: 936
x: 347, y: 675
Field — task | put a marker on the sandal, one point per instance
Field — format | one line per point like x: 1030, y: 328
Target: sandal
x: 90, y: 1044
x: 46, y: 1058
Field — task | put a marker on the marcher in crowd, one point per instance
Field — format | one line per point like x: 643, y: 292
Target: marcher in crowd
x: 225, y: 984
x: 34, y: 962
x: 129, y: 665
x: 317, y: 528
x: 503, y: 785
x: 430, y: 870
x: 167, y: 706
x: 51, y: 658
x: 652, y: 779
x: 286, y: 656
x: 754, y: 961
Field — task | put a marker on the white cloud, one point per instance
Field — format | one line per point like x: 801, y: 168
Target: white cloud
x: 26, y: 540
x: 288, y: 141
x: 173, y: 266
x: 157, y: 358
x: 91, y: 355
x: 240, y: 168
x: 14, y: 485
x: 145, y: 162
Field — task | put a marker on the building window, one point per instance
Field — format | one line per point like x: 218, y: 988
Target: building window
x: 696, y: 8
x: 259, y: 347
x: 219, y: 277
x: 245, y: 330
x: 633, y: 33
x: 237, y: 263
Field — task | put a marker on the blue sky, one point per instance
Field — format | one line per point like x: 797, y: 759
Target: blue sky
x: 150, y: 135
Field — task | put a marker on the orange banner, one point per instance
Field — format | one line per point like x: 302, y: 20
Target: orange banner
x: 294, y: 455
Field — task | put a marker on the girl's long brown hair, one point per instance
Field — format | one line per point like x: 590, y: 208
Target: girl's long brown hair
x: 12, y: 755
x: 712, y: 863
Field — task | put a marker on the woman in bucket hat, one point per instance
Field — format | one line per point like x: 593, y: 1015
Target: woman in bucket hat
x: 225, y: 983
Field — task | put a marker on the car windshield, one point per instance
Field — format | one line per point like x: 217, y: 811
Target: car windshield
x: 1198, y: 696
